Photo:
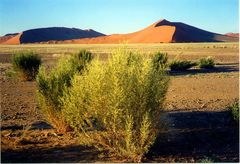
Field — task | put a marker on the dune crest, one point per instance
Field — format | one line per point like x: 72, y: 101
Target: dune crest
x: 13, y: 40
x: 154, y: 33
x: 232, y: 34
x: 162, y: 31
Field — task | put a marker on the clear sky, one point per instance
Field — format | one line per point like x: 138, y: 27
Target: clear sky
x: 117, y: 16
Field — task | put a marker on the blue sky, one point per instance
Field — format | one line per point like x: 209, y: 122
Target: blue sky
x: 117, y: 16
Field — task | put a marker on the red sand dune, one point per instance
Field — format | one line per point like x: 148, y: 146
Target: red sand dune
x: 232, y: 34
x: 7, y: 37
x: 13, y: 40
x: 162, y: 31
x: 151, y: 34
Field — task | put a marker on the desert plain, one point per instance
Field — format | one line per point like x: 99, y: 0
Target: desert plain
x: 200, y: 125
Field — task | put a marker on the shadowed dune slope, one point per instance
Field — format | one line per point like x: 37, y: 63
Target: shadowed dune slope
x: 162, y: 31
x: 56, y: 33
x: 51, y: 34
x: 151, y: 34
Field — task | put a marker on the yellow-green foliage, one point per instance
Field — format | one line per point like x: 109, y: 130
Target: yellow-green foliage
x: 171, y: 48
x: 160, y: 60
x: 207, y: 63
x: 181, y: 65
x: 117, y: 105
x: 26, y: 64
x: 234, y: 109
x: 51, y: 86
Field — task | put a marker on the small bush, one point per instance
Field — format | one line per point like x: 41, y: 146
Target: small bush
x: 26, y: 64
x: 117, y: 105
x: 181, y: 65
x: 51, y: 87
x: 80, y: 60
x: 206, y: 160
x: 160, y: 60
x: 207, y: 63
x: 234, y: 109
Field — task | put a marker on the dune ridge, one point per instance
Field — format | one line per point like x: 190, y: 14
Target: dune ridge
x: 13, y: 40
x: 232, y: 34
x: 162, y: 31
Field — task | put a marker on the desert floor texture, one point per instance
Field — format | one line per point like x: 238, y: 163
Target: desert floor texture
x: 200, y: 126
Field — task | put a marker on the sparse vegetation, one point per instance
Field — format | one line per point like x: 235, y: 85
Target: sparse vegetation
x: 117, y: 105
x: 207, y: 63
x: 51, y: 87
x: 173, y: 48
x: 181, y: 65
x: 234, y: 109
x: 160, y: 60
x: 206, y: 160
x: 26, y: 64
x: 11, y: 73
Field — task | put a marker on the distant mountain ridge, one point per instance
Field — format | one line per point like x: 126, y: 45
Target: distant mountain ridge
x: 11, y: 34
x: 51, y: 34
x: 162, y: 31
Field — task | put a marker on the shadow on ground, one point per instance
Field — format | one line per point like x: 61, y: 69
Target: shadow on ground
x: 198, y: 135
x: 68, y: 154
x: 12, y: 127
x: 39, y: 125
x: 191, y: 135
x: 220, y: 68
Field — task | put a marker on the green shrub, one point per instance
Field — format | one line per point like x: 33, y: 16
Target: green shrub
x: 206, y: 160
x: 160, y: 60
x: 116, y: 105
x: 207, y: 63
x: 51, y: 87
x: 181, y: 65
x: 26, y: 64
x: 80, y: 59
x: 234, y: 109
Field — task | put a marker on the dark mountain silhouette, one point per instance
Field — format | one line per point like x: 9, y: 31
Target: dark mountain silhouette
x: 51, y: 34
x: 11, y: 34
x: 56, y: 33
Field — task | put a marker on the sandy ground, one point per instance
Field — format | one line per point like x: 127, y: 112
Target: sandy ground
x: 200, y: 127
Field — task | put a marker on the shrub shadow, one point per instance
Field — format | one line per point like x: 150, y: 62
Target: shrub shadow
x: 220, y: 68
x: 190, y: 135
x: 68, y: 154
x: 39, y: 125
x: 12, y: 127
x: 199, y: 134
